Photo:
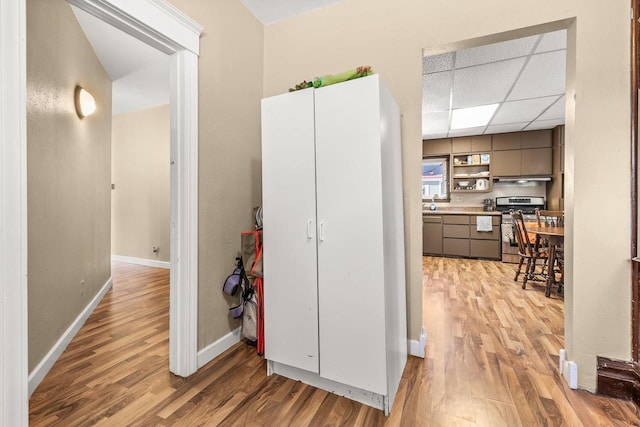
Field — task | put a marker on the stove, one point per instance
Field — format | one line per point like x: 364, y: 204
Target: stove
x: 528, y: 206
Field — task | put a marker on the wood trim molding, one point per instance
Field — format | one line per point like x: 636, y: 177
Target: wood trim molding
x: 14, y: 396
x: 619, y: 379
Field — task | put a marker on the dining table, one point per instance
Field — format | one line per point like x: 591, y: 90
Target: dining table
x: 555, y: 237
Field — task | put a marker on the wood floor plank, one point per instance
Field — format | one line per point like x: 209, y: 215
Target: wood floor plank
x: 491, y: 360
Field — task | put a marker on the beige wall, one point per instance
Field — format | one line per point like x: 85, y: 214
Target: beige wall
x: 68, y: 163
x: 390, y: 36
x: 140, y: 172
x: 230, y: 89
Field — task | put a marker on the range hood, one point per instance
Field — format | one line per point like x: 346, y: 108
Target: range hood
x: 522, y: 179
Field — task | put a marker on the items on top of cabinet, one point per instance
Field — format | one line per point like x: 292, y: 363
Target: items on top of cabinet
x: 330, y: 79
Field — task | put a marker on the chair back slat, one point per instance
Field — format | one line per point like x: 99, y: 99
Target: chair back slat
x: 520, y: 233
x: 547, y: 218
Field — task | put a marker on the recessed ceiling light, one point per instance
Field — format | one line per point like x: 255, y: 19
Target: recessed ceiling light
x: 463, y: 118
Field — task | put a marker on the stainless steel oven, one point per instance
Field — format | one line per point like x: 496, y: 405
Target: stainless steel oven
x: 528, y: 205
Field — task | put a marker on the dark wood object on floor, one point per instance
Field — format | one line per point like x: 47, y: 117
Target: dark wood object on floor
x: 491, y: 359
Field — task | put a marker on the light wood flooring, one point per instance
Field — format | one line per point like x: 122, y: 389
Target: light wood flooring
x: 491, y: 361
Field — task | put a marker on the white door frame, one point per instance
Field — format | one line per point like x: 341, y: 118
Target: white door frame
x: 164, y: 27
x: 14, y: 390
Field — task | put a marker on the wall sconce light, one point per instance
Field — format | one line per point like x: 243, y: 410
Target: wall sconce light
x: 85, y: 104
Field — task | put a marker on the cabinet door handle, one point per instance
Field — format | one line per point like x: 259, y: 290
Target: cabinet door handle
x: 322, y: 231
x: 309, y: 234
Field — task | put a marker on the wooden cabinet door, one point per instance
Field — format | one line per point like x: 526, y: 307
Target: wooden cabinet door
x: 289, y: 202
x: 432, y: 236
x: 456, y: 247
x: 351, y: 291
x: 461, y: 145
x: 506, y: 163
x: 507, y: 141
x: 481, y: 143
x: 436, y: 146
x: 536, y: 161
x: 537, y: 139
x: 484, y: 249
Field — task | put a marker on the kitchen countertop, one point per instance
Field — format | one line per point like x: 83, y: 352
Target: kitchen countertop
x: 459, y: 210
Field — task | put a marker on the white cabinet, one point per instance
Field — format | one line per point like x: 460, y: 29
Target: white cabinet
x: 335, y: 314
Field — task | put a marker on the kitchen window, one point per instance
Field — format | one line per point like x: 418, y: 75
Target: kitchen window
x: 435, y: 178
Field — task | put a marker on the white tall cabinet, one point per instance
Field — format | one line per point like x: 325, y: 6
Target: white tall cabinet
x: 334, y: 294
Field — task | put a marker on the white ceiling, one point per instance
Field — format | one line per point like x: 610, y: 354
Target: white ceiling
x: 526, y: 77
x: 140, y: 73
x: 270, y: 11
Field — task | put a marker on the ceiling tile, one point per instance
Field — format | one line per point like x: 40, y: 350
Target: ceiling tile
x: 436, y: 91
x: 524, y: 110
x: 435, y: 121
x: 545, y: 124
x: 484, y: 84
x: 544, y: 75
x: 556, y: 111
x: 495, y: 52
x: 553, y: 41
x: 437, y: 63
x: 466, y: 132
x: 511, y: 127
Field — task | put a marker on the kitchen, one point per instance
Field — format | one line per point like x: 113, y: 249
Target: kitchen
x: 493, y: 140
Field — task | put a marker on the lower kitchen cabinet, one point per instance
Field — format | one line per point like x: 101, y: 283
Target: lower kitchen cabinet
x: 457, y: 235
x: 432, y: 235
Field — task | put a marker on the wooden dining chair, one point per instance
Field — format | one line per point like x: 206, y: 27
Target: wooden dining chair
x: 549, y: 218
x: 527, y: 250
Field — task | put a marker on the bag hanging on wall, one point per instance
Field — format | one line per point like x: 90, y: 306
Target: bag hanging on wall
x: 235, y: 280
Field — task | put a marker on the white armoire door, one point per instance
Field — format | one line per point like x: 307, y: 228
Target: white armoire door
x: 350, y: 235
x: 289, y: 217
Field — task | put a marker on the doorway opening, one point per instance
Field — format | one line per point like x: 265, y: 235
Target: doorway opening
x: 470, y: 300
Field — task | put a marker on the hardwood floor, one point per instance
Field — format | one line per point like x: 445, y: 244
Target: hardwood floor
x: 491, y: 361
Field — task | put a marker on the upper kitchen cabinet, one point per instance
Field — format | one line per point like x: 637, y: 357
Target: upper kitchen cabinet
x: 522, y: 154
x: 471, y: 144
x: 436, y: 146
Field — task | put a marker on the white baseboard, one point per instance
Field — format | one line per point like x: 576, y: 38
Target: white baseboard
x: 218, y: 347
x: 416, y: 347
x: 142, y: 261
x: 45, y: 365
x: 568, y: 369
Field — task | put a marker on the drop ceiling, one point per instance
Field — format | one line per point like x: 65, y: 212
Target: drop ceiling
x: 525, y: 77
